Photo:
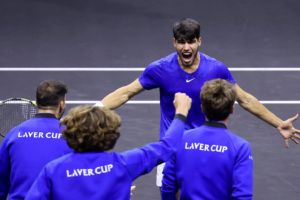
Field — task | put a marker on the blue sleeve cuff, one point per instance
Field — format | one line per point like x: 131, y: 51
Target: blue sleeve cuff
x: 181, y: 117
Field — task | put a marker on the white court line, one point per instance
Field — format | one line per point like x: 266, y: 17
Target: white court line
x: 145, y: 102
x: 128, y: 102
x: 141, y: 69
x: 118, y: 69
x: 151, y: 102
x: 157, y: 102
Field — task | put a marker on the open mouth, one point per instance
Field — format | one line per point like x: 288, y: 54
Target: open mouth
x: 186, y: 57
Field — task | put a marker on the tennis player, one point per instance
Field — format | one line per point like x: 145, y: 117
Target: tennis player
x: 212, y: 162
x: 30, y: 145
x: 92, y: 171
x: 185, y: 71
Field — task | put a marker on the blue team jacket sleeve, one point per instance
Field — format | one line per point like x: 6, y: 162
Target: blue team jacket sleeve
x: 169, y: 183
x: 4, y: 169
x: 243, y: 174
x: 143, y: 160
x: 40, y: 189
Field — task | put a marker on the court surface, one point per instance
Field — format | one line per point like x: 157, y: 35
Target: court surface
x: 131, y: 34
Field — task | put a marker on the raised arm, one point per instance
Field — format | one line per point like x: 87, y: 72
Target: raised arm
x: 252, y: 105
x: 143, y: 160
x: 121, y: 95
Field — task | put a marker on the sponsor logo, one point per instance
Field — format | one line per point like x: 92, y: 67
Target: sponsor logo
x: 189, y: 80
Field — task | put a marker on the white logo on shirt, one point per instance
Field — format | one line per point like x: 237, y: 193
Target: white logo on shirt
x: 205, y: 147
x: 189, y: 80
x: 90, y: 171
x: 37, y: 134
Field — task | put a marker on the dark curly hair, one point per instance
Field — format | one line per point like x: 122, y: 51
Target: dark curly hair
x: 89, y: 128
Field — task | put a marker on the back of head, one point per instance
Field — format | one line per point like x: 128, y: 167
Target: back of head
x: 49, y: 93
x: 186, y: 29
x: 217, y: 99
x: 89, y: 128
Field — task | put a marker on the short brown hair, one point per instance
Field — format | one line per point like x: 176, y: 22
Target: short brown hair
x: 50, y: 92
x: 89, y: 128
x: 217, y: 99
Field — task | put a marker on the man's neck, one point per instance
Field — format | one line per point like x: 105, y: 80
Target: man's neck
x: 50, y: 111
x: 223, y: 121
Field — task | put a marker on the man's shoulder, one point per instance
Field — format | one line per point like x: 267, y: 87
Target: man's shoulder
x: 167, y: 60
x: 34, y: 124
x: 193, y: 133
x: 66, y: 159
x: 238, y: 140
x: 22, y: 125
x: 201, y: 131
x: 12, y: 134
x: 210, y: 59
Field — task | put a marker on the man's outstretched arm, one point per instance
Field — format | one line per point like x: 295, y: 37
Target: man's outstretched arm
x: 252, y: 105
x: 121, y: 95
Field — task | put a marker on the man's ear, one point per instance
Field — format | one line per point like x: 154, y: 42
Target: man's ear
x: 174, y: 42
x: 200, y: 41
x: 62, y: 103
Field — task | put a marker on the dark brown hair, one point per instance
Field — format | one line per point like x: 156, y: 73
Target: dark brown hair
x: 186, y: 30
x: 50, y: 92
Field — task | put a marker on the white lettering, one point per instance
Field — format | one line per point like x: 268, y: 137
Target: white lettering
x: 79, y: 171
x: 205, y: 147
x: 53, y: 135
x: 68, y: 174
x: 19, y: 135
x: 218, y: 148
x: 41, y: 135
x: 90, y: 172
x: 187, y: 146
x: 36, y: 134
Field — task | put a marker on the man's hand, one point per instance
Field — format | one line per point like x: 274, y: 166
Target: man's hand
x: 288, y: 131
x: 182, y: 103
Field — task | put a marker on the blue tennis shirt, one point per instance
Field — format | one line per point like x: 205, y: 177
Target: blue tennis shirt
x: 167, y: 75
